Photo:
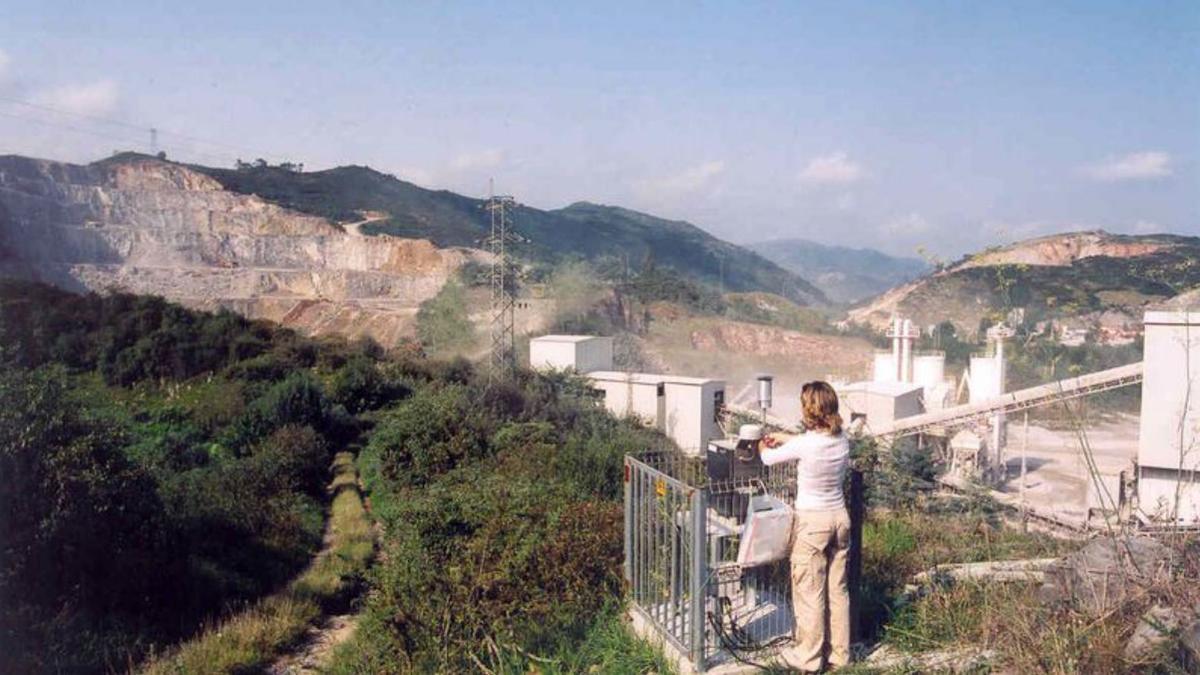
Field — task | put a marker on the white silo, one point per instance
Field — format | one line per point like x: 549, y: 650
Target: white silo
x: 929, y: 369
x: 884, y: 369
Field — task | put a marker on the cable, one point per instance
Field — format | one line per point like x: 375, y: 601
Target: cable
x: 737, y: 640
x: 144, y: 128
x: 121, y: 139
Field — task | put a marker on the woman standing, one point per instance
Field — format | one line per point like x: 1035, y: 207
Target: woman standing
x: 821, y: 532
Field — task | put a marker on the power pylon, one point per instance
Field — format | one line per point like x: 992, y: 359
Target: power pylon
x: 504, y: 286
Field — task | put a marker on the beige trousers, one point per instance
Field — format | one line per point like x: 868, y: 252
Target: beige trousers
x: 820, y: 596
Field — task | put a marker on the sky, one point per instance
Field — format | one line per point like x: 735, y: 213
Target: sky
x: 924, y: 128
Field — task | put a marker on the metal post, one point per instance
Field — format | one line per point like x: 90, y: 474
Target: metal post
x: 856, y: 505
x: 628, y: 523
x: 699, y: 590
x: 1024, y: 452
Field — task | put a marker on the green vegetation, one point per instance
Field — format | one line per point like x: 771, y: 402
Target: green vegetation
x: 443, y: 323
x: 774, y: 310
x: 1089, y: 286
x: 159, y: 468
x: 582, y: 230
x: 162, y: 505
x: 501, y: 539
x: 251, y: 639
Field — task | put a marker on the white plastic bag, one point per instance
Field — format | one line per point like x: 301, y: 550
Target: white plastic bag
x: 767, y: 535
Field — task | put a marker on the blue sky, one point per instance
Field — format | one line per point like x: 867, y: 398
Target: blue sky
x: 947, y: 126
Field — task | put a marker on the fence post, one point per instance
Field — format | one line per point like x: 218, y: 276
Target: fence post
x: 699, y: 576
x: 627, y: 470
x: 856, y: 504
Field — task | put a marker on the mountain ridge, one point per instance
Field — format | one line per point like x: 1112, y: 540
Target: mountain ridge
x: 1087, y: 277
x: 845, y: 274
x: 581, y: 229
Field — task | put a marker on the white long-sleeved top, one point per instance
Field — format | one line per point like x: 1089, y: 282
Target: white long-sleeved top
x: 821, y: 469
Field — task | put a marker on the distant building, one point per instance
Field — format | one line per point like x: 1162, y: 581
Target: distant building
x: 578, y: 353
x: 1169, y: 440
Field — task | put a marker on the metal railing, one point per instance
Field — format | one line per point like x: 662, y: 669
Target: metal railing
x: 664, y: 535
x: 682, y: 533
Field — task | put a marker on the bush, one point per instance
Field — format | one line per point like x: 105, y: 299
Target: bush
x: 442, y: 321
x: 425, y: 435
x: 82, y: 533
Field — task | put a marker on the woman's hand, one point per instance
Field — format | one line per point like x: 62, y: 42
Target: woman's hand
x: 773, y: 441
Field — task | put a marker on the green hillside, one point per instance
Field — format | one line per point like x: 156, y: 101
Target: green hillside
x: 581, y: 230
x: 985, y: 286
x: 844, y: 274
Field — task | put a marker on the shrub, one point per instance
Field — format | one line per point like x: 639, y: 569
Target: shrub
x: 426, y: 435
x: 442, y: 321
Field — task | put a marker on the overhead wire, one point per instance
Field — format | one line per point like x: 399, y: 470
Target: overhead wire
x: 144, y: 128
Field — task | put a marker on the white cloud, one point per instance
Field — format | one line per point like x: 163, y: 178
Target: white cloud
x: 1134, y: 166
x: 475, y: 161
x: 905, y: 226
x: 691, y: 179
x: 832, y: 169
x: 94, y: 98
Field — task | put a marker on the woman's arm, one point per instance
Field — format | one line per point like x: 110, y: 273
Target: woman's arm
x: 790, y: 451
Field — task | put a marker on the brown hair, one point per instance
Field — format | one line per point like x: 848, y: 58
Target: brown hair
x: 819, y: 407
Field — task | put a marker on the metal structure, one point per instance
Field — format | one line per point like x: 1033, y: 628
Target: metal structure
x: 504, y: 286
x: 1023, y: 399
x: 682, y: 532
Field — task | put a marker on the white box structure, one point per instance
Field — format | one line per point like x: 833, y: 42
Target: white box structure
x: 683, y: 408
x: 635, y: 395
x: 1169, y: 443
x: 881, y: 402
x: 580, y: 353
x: 691, y: 411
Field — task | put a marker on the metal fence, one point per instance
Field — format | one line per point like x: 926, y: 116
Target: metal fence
x: 681, y: 541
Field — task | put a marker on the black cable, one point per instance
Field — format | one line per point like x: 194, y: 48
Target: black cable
x: 737, y: 640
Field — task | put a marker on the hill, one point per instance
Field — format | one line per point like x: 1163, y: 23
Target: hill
x: 582, y: 230
x: 143, y: 225
x: 1083, y: 278
x: 844, y: 274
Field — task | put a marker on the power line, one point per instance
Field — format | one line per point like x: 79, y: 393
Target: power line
x: 125, y: 140
x: 152, y: 132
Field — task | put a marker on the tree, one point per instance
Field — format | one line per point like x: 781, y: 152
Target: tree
x: 442, y: 321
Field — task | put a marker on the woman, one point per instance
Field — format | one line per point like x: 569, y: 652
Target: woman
x: 821, y: 531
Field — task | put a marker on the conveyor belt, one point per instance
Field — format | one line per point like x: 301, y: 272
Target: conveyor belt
x: 1023, y: 399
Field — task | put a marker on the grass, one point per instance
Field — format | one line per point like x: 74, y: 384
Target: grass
x: 251, y: 639
x: 608, y: 647
x: 1027, y: 635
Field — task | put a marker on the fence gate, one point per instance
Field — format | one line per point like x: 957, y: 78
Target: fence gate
x: 664, y: 554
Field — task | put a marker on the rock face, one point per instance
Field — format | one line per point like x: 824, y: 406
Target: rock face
x: 147, y: 226
x: 1082, y: 278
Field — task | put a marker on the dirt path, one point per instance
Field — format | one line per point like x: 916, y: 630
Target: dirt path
x: 354, y: 229
x: 314, y: 652
x: 316, y: 649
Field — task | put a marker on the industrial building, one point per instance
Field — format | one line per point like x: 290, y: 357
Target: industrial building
x: 578, y: 353
x: 904, y: 382
x: 686, y: 409
x: 1168, y: 486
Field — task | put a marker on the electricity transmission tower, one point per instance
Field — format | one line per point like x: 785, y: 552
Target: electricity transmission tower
x: 504, y: 286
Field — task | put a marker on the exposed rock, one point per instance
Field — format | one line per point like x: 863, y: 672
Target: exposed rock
x: 1032, y: 570
x: 1189, y: 648
x: 147, y: 226
x: 1064, y: 249
x: 1106, y: 572
x: 952, y: 660
x: 1153, y: 631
